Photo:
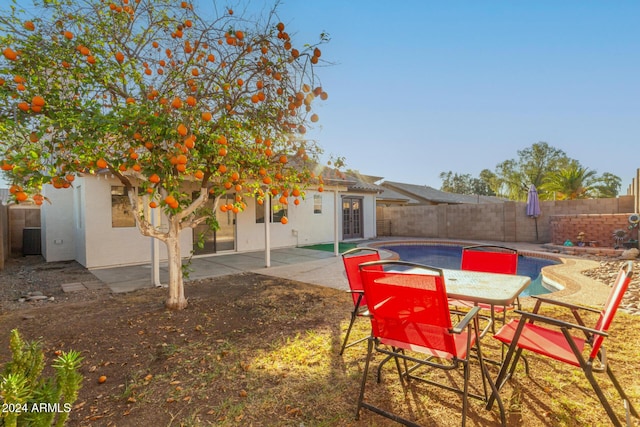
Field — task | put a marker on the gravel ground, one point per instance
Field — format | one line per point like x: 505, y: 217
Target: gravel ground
x: 27, y: 281
x: 607, y: 272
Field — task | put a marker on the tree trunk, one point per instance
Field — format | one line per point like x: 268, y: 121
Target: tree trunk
x: 176, y: 300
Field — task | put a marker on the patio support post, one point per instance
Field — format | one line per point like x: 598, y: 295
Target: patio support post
x: 267, y: 230
x: 155, y: 250
x: 336, y: 222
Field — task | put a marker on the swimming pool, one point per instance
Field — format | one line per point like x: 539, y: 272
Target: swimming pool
x: 448, y: 256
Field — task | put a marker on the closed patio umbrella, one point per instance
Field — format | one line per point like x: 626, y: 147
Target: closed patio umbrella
x: 533, y: 206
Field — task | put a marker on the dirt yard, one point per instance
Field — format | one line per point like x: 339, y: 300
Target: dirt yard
x: 251, y: 350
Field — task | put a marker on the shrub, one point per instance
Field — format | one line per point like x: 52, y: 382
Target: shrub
x: 30, y: 399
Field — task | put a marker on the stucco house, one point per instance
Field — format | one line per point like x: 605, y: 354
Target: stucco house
x: 91, y: 223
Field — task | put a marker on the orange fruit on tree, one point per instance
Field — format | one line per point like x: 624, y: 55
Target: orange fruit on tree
x: 38, y: 101
x: 68, y: 35
x: 206, y: 116
x: 10, y: 54
x: 101, y: 163
x: 296, y: 202
x: 119, y: 57
x: 23, y: 106
x: 222, y: 151
x: 182, y: 129
x: 21, y: 196
x: 198, y: 174
x: 154, y: 178
x: 284, y: 220
x: 235, y: 176
x: 283, y: 159
x: 176, y: 103
x: 222, y: 169
x: 153, y: 205
x: 29, y: 25
x: 314, y: 118
x: 222, y: 140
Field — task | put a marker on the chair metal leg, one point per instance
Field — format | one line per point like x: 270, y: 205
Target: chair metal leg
x: 621, y: 392
x: 354, y: 314
x: 364, y: 377
x: 507, y: 366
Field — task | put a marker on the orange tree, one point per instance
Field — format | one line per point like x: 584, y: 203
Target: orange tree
x: 161, y: 96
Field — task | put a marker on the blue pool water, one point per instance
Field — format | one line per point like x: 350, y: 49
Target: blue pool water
x: 445, y: 256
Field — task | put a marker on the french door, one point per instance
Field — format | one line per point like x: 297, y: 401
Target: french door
x: 352, y: 218
x: 222, y: 239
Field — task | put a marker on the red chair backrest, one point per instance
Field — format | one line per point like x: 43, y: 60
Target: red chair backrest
x: 409, y: 310
x: 351, y: 263
x: 490, y: 259
x: 611, y: 306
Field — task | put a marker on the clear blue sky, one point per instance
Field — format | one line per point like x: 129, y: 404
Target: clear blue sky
x: 421, y: 87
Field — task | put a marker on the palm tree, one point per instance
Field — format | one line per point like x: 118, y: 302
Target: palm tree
x: 572, y: 182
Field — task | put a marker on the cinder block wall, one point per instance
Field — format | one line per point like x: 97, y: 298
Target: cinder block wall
x: 506, y: 222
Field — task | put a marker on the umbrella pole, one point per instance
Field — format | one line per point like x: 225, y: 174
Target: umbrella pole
x: 536, y: 221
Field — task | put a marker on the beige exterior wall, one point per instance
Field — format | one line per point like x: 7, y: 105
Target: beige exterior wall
x: 77, y: 225
x: 506, y: 222
x: 5, y: 249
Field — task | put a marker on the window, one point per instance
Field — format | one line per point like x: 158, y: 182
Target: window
x: 317, y: 203
x: 277, y: 212
x: 121, y: 215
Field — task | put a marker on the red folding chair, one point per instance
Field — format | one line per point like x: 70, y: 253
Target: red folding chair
x: 489, y: 259
x: 410, y: 318
x: 552, y: 338
x: 351, y: 259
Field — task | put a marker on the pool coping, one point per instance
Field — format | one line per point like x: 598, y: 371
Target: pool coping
x: 576, y: 287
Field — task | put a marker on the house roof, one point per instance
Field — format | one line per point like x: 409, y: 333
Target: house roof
x: 353, y: 181
x: 390, y: 196
x: 426, y: 194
